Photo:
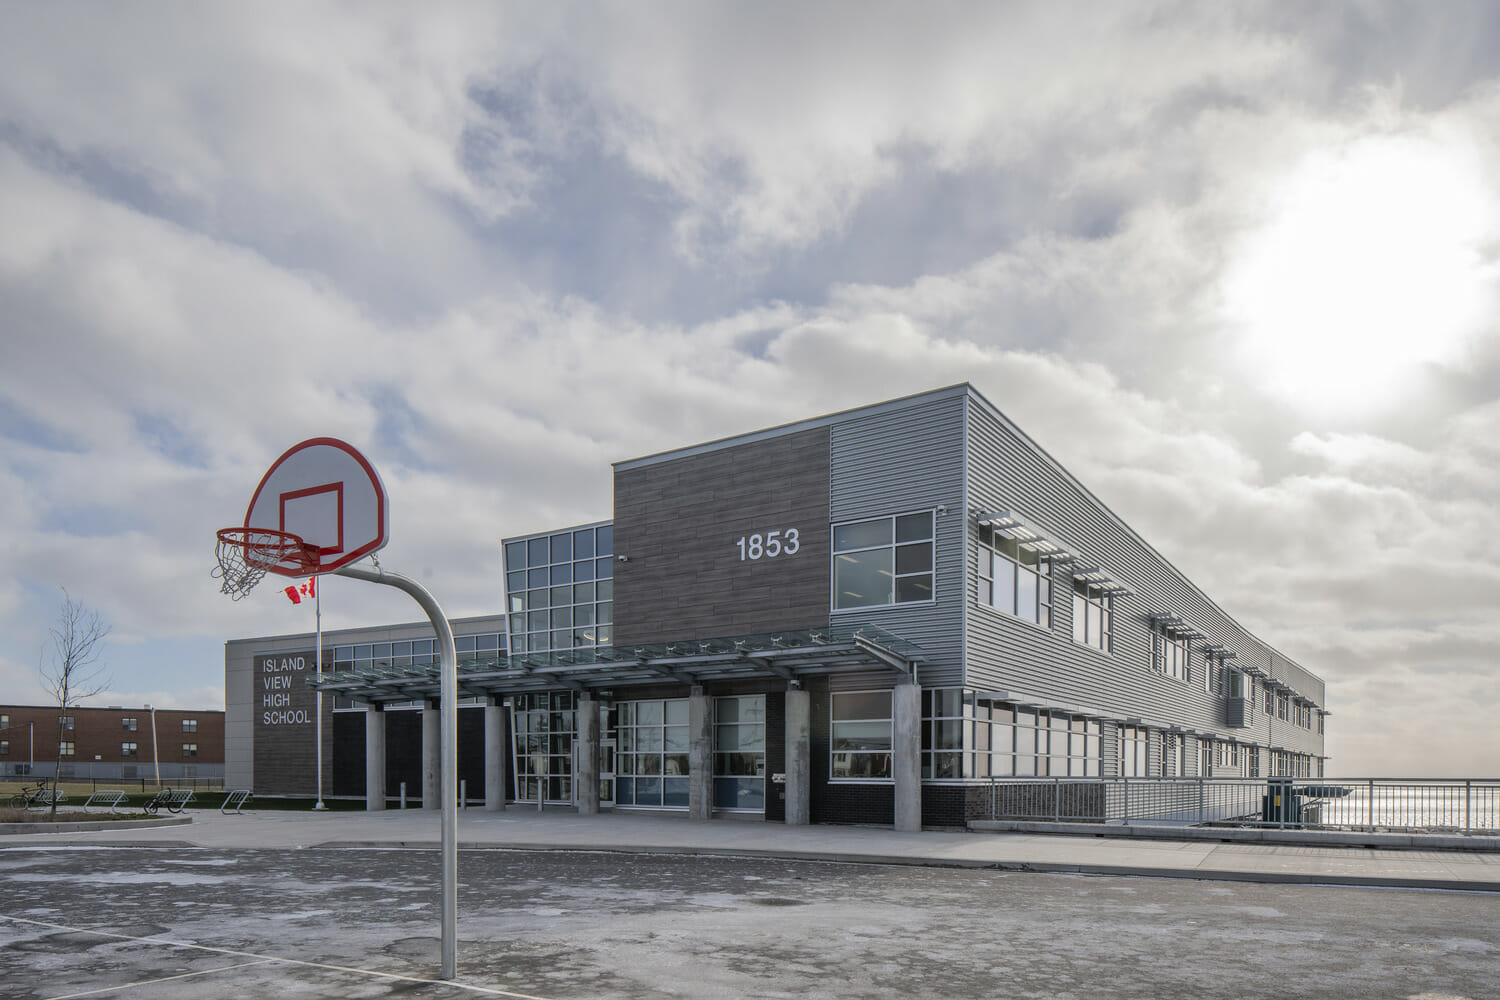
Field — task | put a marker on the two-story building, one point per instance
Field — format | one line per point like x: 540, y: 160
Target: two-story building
x: 861, y: 617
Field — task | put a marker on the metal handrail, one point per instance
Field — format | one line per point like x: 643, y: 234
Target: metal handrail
x: 1405, y: 805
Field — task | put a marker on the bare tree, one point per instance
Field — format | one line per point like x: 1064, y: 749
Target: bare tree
x: 71, y: 671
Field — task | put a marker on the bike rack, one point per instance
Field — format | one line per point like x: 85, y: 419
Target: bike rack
x: 235, y: 800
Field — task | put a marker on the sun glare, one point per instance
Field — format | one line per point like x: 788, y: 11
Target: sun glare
x: 1371, y: 263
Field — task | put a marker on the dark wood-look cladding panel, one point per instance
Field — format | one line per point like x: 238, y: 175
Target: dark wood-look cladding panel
x: 677, y: 527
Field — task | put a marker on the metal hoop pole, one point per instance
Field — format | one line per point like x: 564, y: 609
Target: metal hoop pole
x: 448, y: 751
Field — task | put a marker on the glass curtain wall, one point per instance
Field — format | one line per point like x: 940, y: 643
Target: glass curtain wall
x: 545, y: 727
x: 560, y: 590
x: 740, y: 753
x: 651, y: 756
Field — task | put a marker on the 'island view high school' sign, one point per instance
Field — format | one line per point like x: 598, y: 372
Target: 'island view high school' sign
x: 285, y: 722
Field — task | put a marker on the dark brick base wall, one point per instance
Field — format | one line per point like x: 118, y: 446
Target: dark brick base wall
x: 349, y: 753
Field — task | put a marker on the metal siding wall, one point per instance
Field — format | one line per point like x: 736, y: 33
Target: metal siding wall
x: 903, y: 461
x: 1008, y: 472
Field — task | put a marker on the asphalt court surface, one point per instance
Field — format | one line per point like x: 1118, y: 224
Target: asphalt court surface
x: 164, y: 922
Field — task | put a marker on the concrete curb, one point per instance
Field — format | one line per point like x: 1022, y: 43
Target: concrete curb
x: 89, y: 826
x: 912, y: 861
x: 1303, y: 838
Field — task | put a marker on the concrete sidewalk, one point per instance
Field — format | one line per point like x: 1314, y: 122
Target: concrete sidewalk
x: 524, y: 829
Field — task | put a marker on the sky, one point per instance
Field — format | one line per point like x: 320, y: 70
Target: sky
x: 1235, y: 265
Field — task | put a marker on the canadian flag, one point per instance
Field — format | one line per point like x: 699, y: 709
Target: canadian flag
x: 297, y: 591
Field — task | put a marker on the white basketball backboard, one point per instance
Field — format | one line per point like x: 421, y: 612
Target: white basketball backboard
x: 326, y: 492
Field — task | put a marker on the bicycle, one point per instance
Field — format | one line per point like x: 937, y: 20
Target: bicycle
x: 28, y: 796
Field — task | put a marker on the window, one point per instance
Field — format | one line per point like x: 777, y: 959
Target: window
x: 884, y: 560
x: 67, y: 723
x: 1010, y: 739
x: 1270, y: 702
x: 1239, y: 686
x: 4, y: 722
x: 188, y: 749
x: 740, y: 753
x: 545, y: 724
x: 1172, y: 756
x: 128, y: 725
x: 861, y: 736
x: 943, y: 714
x: 127, y: 749
x: 190, y: 725
x: 560, y: 590
x: 1014, y: 579
x: 4, y: 748
x: 651, y: 755
x: 1133, y: 743
x: 1170, y: 654
x: 65, y: 748
x: 1093, y: 610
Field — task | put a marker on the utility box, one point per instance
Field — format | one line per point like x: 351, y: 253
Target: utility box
x: 1281, y: 804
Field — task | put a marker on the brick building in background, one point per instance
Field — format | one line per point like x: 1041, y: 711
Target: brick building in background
x: 114, y: 743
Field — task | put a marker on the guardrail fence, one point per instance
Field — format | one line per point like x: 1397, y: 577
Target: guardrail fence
x: 1394, y: 805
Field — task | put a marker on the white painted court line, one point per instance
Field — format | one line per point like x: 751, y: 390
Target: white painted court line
x: 258, y: 960
x: 153, y: 982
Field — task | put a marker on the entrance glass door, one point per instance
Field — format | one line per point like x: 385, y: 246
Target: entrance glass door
x: 606, y: 774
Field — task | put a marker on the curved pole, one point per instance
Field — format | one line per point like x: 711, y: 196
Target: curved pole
x: 448, y: 754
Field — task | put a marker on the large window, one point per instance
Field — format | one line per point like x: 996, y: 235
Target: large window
x: 1171, y: 655
x: 740, y: 753
x: 128, y: 725
x: 861, y: 736
x: 4, y: 748
x: 544, y: 730
x: 1014, y: 579
x: 966, y: 737
x: 128, y: 749
x: 190, y: 750
x: 883, y: 560
x: 651, y: 759
x: 944, y: 719
x: 65, y: 748
x: 1133, y: 743
x: 189, y: 725
x: 1093, y: 611
x: 560, y: 590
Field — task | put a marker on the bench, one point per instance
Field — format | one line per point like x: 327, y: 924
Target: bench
x: 234, y: 801
x: 170, y: 799
x: 105, y: 797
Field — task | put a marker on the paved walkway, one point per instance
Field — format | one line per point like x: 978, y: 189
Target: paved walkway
x: 523, y: 829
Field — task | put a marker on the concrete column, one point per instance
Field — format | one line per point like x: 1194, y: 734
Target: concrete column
x: 586, y: 753
x: 700, y: 754
x: 906, y: 755
x: 431, y: 756
x: 496, y: 726
x: 374, y: 758
x: 798, y: 757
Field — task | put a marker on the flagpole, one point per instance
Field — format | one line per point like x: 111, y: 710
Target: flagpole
x: 318, y: 605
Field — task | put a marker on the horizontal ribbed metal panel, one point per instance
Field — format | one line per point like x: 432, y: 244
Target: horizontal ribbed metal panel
x: 1008, y: 471
x: 896, y: 461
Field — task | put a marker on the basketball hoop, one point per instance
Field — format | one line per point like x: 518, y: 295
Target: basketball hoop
x: 246, y: 554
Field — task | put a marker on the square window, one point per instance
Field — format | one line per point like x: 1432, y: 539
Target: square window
x: 583, y: 544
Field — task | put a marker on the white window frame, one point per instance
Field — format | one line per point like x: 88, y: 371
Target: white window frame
x: 833, y: 740
x: 1106, y: 604
x: 998, y: 555
x: 893, y: 546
